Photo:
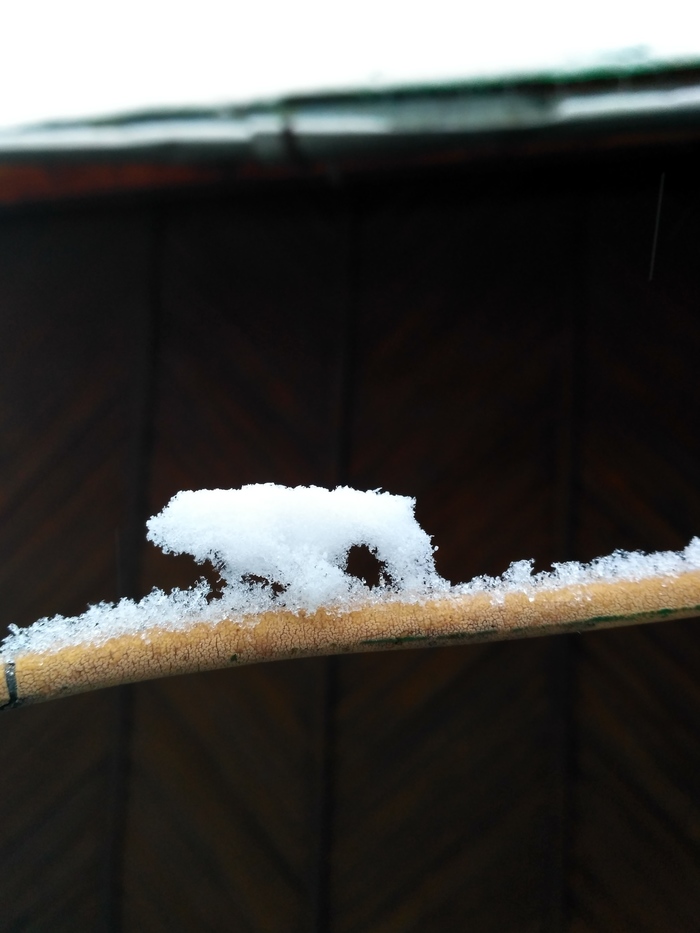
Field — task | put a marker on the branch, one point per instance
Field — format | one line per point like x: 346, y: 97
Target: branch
x: 377, y: 626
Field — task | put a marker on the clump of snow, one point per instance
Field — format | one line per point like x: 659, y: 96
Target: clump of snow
x: 290, y: 546
x: 277, y: 547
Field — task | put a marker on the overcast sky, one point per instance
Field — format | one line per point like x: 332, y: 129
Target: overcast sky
x: 69, y: 58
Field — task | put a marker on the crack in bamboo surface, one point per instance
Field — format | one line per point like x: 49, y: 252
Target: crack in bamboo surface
x: 378, y: 626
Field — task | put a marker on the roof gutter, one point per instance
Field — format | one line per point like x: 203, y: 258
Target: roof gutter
x: 368, y: 124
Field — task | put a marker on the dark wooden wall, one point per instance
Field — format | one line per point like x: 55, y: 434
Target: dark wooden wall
x: 488, y: 341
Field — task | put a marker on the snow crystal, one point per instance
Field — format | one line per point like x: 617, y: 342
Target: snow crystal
x: 278, y: 547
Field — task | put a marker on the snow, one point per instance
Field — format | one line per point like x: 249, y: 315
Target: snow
x: 630, y: 566
x: 77, y: 58
x: 297, y: 539
x: 275, y: 548
x: 287, y: 548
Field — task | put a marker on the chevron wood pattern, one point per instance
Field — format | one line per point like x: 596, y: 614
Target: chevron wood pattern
x: 434, y: 767
x: 636, y: 853
x: 247, y: 393
x: 56, y: 805
x: 218, y: 835
x: 427, y: 789
x: 71, y: 302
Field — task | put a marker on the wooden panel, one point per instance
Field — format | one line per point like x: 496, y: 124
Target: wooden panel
x: 466, y: 321
x: 72, y: 293
x: 440, y: 761
x: 636, y: 852
x: 73, y: 298
x: 225, y: 774
x: 447, y: 764
x: 222, y: 796
x: 57, y: 815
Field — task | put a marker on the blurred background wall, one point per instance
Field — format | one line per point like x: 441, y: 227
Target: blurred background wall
x: 482, y: 336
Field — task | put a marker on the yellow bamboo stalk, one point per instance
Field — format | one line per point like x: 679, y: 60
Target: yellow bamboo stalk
x: 378, y: 626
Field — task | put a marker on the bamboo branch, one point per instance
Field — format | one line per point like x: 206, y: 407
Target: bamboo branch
x: 378, y: 626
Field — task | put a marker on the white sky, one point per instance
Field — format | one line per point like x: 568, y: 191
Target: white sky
x: 68, y: 58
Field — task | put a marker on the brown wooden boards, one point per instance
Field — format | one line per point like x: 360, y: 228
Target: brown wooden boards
x: 247, y: 392
x: 635, y: 853
x: 73, y: 300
